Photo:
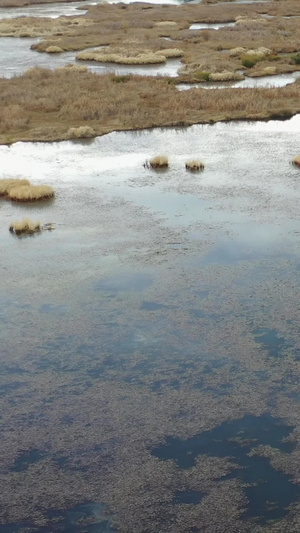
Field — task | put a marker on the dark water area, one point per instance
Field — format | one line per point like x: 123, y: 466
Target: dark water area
x: 83, y: 518
x: 268, y: 491
x: 25, y: 459
x: 270, y: 340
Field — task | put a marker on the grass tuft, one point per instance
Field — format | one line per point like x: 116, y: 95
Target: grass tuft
x: 82, y: 132
x: 194, y: 165
x: 30, y: 193
x: 6, y: 185
x: 160, y: 161
x: 25, y: 226
x: 224, y: 76
x: 54, y: 49
x: 296, y: 161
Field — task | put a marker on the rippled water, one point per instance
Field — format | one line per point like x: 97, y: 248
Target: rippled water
x: 18, y: 57
x: 157, y: 293
x: 149, y: 364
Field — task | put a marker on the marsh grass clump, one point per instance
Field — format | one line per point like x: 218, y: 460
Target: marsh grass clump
x: 225, y: 76
x: 82, y: 132
x: 54, y: 49
x: 249, y: 60
x: 296, y: 59
x: 194, y: 165
x: 124, y: 57
x: 25, y: 227
x: 237, y: 51
x: 73, y: 68
x: 202, y: 75
x: 170, y: 52
x: 6, y: 185
x: 269, y: 71
x: 30, y: 193
x: 296, y: 161
x: 160, y: 161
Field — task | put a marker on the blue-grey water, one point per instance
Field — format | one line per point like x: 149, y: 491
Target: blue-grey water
x: 150, y: 361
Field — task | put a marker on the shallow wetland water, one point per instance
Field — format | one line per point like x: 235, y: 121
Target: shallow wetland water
x: 150, y: 343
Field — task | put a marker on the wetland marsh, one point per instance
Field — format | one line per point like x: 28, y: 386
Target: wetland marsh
x: 150, y: 361
x: 148, y: 316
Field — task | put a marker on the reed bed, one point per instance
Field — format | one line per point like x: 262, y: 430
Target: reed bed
x: 52, y: 102
x: 125, y: 58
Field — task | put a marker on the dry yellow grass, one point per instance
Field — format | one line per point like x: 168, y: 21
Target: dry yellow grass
x: 6, y: 185
x: 25, y: 226
x: 82, y: 132
x: 169, y: 23
x: 54, y: 49
x: 296, y: 160
x: 159, y: 161
x: 194, y: 165
x: 73, y: 67
x: 237, y: 52
x: 225, y: 76
x: 170, y: 52
x: 30, y: 193
x: 124, y: 58
x: 45, y: 105
x: 111, y: 25
x: 269, y: 71
x: 55, y: 101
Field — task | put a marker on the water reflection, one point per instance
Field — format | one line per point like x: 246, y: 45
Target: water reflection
x: 268, y: 491
x: 278, y: 80
x: 17, y: 57
x: 211, y: 26
x: 152, y: 311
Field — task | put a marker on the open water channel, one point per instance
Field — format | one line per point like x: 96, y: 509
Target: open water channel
x: 150, y: 360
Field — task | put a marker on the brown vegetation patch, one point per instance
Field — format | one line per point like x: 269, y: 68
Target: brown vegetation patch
x: 225, y: 76
x: 6, y: 185
x: 30, y: 193
x: 296, y: 161
x: 136, y: 29
x: 45, y: 105
x: 25, y: 226
x: 82, y: 132
x: 54, y: 50
x: 194, y: 165
x: 122, y: 56
x: 159, y: 161
x: 52, y: 102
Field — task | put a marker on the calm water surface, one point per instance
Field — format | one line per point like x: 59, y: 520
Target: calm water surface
x: 150, y: 361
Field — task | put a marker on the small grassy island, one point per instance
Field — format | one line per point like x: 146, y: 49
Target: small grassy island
x: 46, y: 105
